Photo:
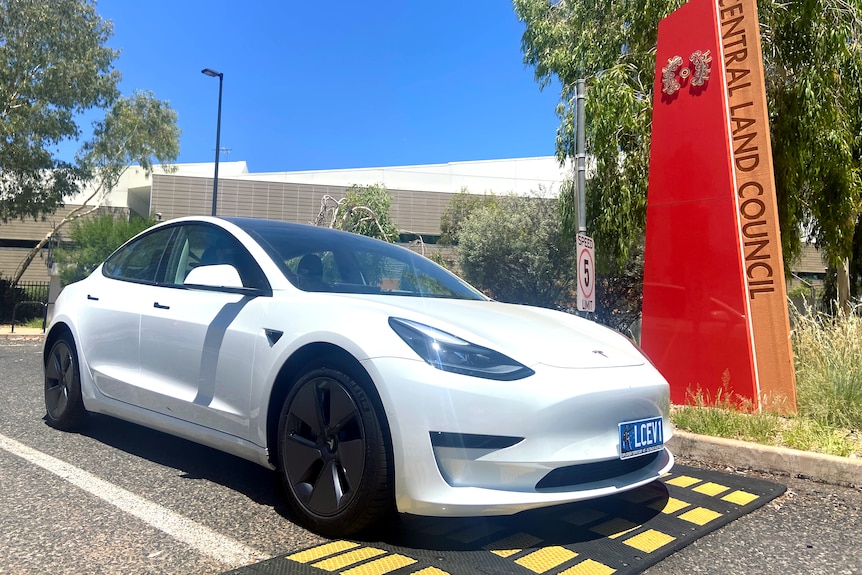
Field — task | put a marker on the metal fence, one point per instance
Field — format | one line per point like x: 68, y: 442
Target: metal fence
x: 24, y: 302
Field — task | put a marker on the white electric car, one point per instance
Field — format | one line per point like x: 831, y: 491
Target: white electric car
x: 371, y: 378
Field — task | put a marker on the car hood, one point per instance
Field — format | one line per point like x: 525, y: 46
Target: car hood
x: 528, y: 334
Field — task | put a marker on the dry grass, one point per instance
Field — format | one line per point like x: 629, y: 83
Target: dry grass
x: 828, y: 361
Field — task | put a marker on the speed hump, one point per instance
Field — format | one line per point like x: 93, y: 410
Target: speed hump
x: 586, y: 274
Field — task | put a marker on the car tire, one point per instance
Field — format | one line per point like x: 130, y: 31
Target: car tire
x: 64, y: 404
x: 333, y: 455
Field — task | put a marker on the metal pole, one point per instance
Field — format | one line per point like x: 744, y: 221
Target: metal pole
x: 581, y: 159
x: 218, y: 144
x: 213, y: 74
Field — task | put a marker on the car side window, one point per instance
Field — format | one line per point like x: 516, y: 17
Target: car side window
x: 315, y: 271
x: 398, y: 276
x: 140, y: 259
x: 197, y: 245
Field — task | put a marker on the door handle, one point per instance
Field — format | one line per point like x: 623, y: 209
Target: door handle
x: 92, y: 297
x: 157, y: 305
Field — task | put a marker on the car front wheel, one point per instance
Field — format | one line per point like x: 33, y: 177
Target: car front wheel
x: 63, y: 402
x: 333, y: 455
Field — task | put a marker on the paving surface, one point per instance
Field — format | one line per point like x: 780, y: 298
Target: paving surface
x: 623, y: 534
x: 49, y: 524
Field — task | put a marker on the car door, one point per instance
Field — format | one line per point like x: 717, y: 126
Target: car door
x: 109, y: 326
x: 197, y: 342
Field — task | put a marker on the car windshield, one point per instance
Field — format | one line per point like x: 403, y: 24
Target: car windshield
x: 324, y: 260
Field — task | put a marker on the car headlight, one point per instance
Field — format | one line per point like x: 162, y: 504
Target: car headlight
x: 449, y: 353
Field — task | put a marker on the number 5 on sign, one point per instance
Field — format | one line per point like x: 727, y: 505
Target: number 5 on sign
x: 586, y: 274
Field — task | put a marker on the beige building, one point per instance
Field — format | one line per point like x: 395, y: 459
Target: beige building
x: 419, y: 196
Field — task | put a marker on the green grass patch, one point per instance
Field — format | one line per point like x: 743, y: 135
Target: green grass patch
x: 34, y: 322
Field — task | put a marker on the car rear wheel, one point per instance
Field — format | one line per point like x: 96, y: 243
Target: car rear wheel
x: 63, y: 402
x: 333, y: 455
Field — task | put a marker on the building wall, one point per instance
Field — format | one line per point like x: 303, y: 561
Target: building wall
x: 16, y: 232
x: 176, y: 196
x: 11, y: 258
x: 29, y: 232
x: 186, y: 189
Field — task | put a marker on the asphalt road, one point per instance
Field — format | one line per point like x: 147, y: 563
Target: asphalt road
x: 118, y: 498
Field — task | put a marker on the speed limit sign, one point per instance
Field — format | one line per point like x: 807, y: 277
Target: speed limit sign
x: 586, y: 274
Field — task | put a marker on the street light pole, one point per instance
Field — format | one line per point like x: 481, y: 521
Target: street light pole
x: 213, y: 74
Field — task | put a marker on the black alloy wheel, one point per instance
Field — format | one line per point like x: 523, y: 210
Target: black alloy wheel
x: 63, y: 402
x: 333, y: 455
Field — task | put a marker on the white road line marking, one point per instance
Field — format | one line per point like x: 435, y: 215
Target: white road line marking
x: 203, y: 539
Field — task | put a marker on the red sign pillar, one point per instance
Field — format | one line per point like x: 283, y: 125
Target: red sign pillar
x: 714, y: 304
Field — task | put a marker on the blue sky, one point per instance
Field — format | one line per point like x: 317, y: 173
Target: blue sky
x: 339, y: 84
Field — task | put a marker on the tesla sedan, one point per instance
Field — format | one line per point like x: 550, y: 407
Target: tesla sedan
x: 371, y: 378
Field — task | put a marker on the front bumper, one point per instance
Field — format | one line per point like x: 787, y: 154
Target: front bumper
x: 465, y: 446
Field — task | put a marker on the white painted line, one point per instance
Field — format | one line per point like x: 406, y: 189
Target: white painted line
x: 205, y: 540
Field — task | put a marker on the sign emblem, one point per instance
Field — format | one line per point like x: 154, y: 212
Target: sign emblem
x: 699, y: 60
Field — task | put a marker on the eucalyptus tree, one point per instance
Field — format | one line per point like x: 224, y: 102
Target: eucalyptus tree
x: 53, y: 65
x: 813, y: 62
x: 138, y: 130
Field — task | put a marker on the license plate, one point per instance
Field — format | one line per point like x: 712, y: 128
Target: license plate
x: 641, y: 437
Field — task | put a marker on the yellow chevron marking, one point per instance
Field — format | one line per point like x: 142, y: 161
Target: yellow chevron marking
x: 711, y: 489
x: 512, y: 544
x: 546, y: 558
x: 649, y: 540
x: 430, y: 571
x: 683, y: 481
x: 322, y: 551
x: 740, y: 497
x: 670, y: 506
x: 589, y: 567
x: 349, y: 558
x: 614, y: 528
x: 380, y: 566
x: 700, y: 516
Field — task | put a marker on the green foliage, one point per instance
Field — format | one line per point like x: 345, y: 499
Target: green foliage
x: 814, y: 68
x: 365, y: 210
x: 53, y: 65
x: 813, y: 63
x: 34, y: 322
x: 92, y: 240
x: 136, y: 130
x: 514, y: 249
x: 457, y: 210
x: 612, y: 45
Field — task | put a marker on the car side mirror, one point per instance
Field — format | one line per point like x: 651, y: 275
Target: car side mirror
x: 218, y: 276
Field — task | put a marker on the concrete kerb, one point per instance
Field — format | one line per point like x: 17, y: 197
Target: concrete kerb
x: 20, y: 332
x: 744, y: 455
x: 709, y: 450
